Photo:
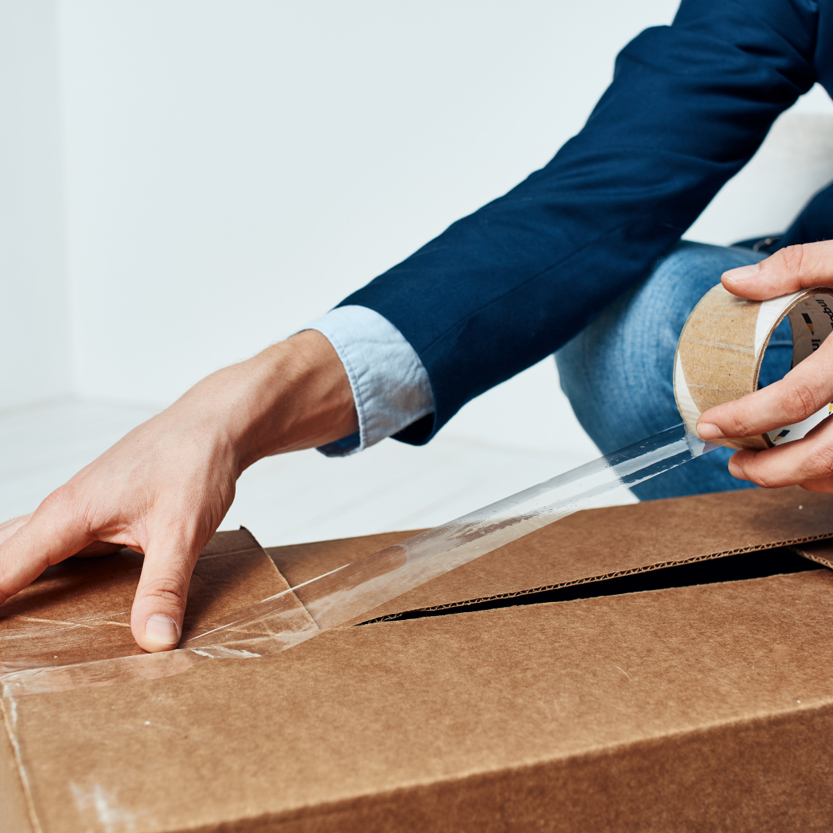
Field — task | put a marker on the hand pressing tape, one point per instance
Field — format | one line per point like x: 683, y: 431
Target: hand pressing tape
x: 718, y: 359
x: 723, y: 343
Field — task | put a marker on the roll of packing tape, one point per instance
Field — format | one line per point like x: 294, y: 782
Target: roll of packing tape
x: 723, y: 343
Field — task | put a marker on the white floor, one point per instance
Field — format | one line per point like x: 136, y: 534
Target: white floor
x: 296, y: 497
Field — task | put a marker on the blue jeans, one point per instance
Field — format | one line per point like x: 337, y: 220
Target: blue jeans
x: 618, y: 372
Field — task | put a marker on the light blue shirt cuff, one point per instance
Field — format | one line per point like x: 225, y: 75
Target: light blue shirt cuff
x: 389, y: 382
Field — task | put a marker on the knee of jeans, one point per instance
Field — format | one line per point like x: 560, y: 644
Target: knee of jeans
x: 576, y: 380
x: 613, y: 408
x: 600, y: 399
x: 691, y: 269
x: 618, y: 372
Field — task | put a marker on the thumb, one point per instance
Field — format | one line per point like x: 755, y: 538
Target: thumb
x: 159, y: 605
x: 788, y: 270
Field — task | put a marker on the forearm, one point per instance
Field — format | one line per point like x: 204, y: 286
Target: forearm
x: 291, y: 396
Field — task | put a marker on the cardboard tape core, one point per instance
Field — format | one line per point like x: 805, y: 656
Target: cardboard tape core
x: 722, y: 345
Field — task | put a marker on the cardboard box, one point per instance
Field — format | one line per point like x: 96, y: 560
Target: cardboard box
x: 703, y: 706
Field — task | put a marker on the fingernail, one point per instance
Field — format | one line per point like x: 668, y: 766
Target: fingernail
x: 742, y: 273
x: 162, y: 629
x: 707, y: 431
x: 736, y: 471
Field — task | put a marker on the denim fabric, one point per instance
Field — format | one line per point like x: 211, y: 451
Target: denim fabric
x: 618, y: 372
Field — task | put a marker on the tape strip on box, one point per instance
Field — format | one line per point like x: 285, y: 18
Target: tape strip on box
x: 718, y: 359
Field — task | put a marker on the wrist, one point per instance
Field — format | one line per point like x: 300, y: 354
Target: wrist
x: 296, y: 395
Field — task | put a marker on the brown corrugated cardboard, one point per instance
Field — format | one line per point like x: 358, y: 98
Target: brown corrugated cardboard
x: 79, y: 610
x: 819, y: 551
x: 695, y: 708
x: 14, y: 812
x: 704, y: 708
x: 593, y: 545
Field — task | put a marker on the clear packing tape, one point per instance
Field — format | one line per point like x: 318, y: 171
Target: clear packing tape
x: 718, y: 359
x: 335, y: 598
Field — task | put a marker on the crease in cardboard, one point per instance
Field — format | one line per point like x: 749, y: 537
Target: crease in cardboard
x: 601, y: 751
x: 8, y: 708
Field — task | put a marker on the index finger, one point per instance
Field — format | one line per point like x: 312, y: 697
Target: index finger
x: 8, y: 528
x: 45, y: 539
x: 805, y: 390
x: 788, y: 270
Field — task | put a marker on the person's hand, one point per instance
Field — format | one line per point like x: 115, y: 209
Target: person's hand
x: 802, y: 392
x: 164, y: 488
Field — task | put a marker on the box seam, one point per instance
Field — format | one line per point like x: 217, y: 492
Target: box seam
x: 390, y: 617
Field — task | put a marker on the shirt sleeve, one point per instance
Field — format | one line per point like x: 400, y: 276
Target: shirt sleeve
x: 389, y: 382
x: 688, y: 106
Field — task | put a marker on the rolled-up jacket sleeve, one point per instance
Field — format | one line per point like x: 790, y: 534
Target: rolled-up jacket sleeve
x: 389, y: 383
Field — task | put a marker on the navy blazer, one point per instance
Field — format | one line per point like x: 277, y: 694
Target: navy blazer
x: 688, y: 106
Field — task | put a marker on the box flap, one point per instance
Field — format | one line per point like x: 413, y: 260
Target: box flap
x: 710, y: 704
x: 592, y: 545
x: 79, y: 610
x: 819, y: 551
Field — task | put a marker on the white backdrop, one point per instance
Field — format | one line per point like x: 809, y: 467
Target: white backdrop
x: 228, y: 170
x: 34, y: 323
x: 234, y: 169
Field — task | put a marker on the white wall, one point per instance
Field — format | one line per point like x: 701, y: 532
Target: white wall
x: 235, y: 169
x: 34, y: 333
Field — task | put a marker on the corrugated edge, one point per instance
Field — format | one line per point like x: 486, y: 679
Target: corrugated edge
x: 812, y: 556
x: 391, y: 617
